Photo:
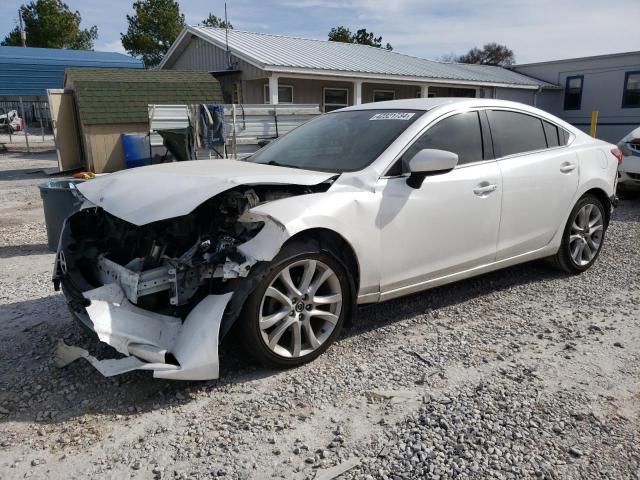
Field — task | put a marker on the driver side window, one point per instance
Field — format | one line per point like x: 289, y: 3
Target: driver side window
x: 460, y: 133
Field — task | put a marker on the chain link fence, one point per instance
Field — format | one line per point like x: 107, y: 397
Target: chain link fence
x: 25, y: 126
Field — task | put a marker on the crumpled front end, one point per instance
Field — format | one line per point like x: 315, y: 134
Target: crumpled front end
x: 161, y: 294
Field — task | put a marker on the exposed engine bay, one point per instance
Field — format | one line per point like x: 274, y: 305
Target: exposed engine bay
x: 158, y: 292
x: 166, y: 265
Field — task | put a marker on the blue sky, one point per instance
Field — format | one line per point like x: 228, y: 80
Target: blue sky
x: 536, y: 29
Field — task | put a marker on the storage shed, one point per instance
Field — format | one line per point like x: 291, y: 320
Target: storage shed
x: 110, y: 102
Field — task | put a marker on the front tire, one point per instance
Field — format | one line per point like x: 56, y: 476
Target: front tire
x: 298, y: 308
x: 583, y: 236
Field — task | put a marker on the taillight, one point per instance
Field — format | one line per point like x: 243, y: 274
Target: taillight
x: 617, y: 153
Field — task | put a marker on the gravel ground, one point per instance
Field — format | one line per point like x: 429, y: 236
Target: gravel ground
x: 522, y: 373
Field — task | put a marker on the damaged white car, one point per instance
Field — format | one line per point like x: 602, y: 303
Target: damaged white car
x: 361, y: 205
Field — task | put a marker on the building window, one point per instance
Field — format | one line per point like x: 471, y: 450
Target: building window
x: 451, y: 92
x: 631, y: 92
x: 573, y: 93
x: 383, y: 95
x: 285, y: 93
x: 335, y: 98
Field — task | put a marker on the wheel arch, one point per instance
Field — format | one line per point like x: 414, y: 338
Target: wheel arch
x: 601, y: 195
x: 339, y: 246
x: 597, y: 189
x: 328, y: 239
x: 343, y: 250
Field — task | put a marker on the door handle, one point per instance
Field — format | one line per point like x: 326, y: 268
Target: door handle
x: 485, y: 188
x: 567, y: 167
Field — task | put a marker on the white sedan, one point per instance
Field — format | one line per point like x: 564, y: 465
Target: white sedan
x: 360, y: 205
x: 629, y: 171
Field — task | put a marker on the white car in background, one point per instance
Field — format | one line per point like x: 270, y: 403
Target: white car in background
x: 629, y: 171
x: 361, y: 205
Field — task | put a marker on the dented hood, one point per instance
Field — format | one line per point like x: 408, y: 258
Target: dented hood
x: 148, y: 194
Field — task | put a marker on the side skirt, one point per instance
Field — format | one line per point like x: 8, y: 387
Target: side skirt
x: 543, y: 252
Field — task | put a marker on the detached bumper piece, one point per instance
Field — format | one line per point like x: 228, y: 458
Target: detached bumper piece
x: 171, y: 348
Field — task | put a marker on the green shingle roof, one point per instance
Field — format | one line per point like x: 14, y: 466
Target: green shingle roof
x: 111, y: 96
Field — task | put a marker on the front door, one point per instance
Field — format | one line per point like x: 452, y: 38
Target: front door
x: 448, y: 225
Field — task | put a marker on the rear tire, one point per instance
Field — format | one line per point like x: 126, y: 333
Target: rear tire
x: 298, y: 308
x: 583, y: 236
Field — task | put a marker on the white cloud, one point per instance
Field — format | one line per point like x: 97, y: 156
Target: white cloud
x: 536, y: 31
x: 115, y: 46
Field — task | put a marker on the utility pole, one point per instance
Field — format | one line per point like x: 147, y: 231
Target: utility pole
x: 23, y: 33
x: 226, y: 37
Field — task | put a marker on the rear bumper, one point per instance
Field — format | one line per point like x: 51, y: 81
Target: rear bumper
x: 629, y: 171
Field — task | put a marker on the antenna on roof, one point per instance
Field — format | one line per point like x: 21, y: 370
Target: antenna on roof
x: 23, y: 33
x: 226, y: 37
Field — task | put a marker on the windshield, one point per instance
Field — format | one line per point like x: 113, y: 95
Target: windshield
x: 338, y: 142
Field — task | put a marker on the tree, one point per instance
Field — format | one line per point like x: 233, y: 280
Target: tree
x: 50, y: 24
x: 340, y: 34
x: 362, y: 37
x: 215, y: 22
x: 448, y: 58
x: 491, y: 54
x: 152, y: 29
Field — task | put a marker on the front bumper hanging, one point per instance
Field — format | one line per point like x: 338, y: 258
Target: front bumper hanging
x: 172, y: 349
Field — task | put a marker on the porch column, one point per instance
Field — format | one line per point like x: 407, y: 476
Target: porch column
x: 424, y: 91
x: 273, y: 89
x: 357, y: 92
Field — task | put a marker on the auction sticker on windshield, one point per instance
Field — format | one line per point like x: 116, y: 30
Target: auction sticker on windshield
x: 392, y: 116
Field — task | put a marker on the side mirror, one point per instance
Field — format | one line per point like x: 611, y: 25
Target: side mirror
x: 429, y: 162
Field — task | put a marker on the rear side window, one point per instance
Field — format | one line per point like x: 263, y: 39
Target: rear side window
x: 459, y: 134
x: 515, y: 132
x: 551, y: 132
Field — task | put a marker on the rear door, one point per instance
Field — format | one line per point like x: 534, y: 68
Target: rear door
x: 540, y: 177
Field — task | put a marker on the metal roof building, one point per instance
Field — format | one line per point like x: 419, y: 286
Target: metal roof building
x: 29, y: 72
x: 287, y: 55
x: 265, y: 68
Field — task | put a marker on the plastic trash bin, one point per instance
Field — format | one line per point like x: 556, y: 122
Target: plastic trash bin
x: 136, y: 149
x: 59, y: 202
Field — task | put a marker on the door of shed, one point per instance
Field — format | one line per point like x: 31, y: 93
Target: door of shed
x: 65, y: 129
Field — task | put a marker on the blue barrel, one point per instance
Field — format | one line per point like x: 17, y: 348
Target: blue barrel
x: 59, y: 202
x: 136, y: 149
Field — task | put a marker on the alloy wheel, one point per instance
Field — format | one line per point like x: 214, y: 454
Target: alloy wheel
x: 300, y: 308
x: 585, y: 237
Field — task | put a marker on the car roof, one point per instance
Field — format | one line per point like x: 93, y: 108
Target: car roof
x: 427, y: 104
x: 454, y: 103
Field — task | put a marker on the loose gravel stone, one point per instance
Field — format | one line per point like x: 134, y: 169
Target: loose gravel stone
x: 521, y: 373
